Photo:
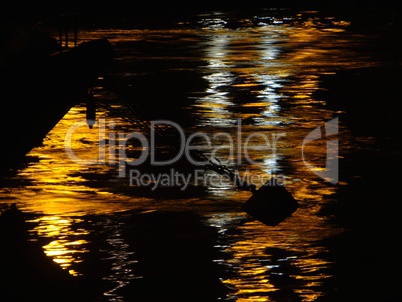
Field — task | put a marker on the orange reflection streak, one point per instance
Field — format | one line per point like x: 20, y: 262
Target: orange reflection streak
x: 67, y: 245
x: 263, y: 257
x: 56, y: 188
x: 55, y: 183
x: 248, y: 78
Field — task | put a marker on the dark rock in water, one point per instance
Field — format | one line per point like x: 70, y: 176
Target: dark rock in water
x: 271, y: 204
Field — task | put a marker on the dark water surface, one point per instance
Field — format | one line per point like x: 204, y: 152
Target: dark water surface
x: 263, y: 81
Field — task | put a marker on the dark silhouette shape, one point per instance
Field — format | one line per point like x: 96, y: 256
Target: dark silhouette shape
x: 26, y: 273
x: 271, y: 203
x: 41, y: 90
x: 175, y: 252
x: 28, y: 43
x: 90, y: 111
x: 12, y: 226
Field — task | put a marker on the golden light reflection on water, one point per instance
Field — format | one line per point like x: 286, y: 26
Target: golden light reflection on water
x: 264, y: 259
x: 56, y: 187
x: 57, y: 183
x: 67, y: 243
x: 256, y: 66
x: 262, y: 76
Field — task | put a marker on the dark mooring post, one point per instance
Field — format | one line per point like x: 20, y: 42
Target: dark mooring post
x: 91, y: 111
x: 75, y: 28
x: 61, y: 31
x: 66, y: 33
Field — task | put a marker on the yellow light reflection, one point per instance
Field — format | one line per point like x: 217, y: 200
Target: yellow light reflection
x: 56, y: 184
x: 263, y: 257
x: 67, y: 245
x: 250, y: 77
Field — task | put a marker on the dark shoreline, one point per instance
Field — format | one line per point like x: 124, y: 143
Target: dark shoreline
x: 175, y: 253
